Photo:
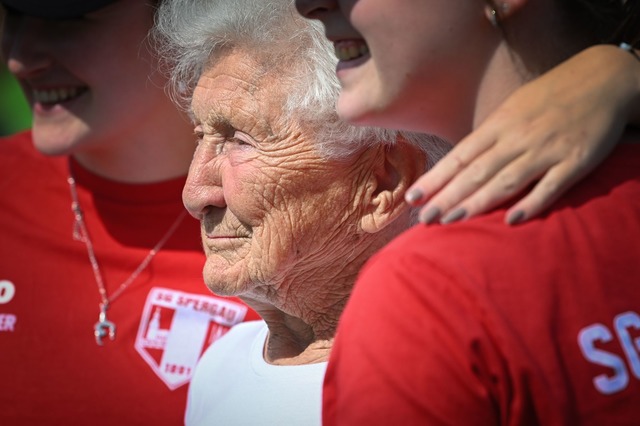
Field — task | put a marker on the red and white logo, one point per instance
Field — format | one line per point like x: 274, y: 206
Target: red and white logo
x: 177, y: 327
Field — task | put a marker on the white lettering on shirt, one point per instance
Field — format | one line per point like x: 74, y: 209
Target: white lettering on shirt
x: 599, y: 333
x: 7, y: 290
x: 7, y: 322
x: 623, y: 323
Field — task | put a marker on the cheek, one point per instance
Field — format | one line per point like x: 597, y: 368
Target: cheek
x: 367, y: 13
x: 123, y: 68
x: 246, y: 192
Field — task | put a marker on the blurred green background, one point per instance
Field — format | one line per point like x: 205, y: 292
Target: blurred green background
x: 14, y: 110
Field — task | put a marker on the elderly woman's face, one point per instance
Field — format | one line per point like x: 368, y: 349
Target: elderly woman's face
x: 272, y: 209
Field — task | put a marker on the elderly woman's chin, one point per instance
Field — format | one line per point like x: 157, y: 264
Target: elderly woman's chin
x: 225, y: 278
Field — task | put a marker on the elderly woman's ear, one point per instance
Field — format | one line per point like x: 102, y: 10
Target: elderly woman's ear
x: 396, y: 168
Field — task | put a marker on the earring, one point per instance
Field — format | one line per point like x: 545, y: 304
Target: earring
x: 494, y: 15
x: 493, y: 18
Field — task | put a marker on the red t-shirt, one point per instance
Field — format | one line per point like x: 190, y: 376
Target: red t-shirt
x: 51, y: 369
x: 478, y: 323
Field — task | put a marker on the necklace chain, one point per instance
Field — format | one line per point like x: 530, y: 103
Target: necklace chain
x: 80, y: 232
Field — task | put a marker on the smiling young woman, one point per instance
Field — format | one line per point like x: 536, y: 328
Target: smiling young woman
x: 476, y: 322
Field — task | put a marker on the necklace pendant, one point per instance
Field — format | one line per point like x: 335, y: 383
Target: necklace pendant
x: 104, y: 327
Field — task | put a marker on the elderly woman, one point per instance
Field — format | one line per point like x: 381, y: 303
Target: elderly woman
x: 292, y: 202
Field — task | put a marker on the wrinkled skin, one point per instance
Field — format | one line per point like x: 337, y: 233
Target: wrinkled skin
x: 282, y: 226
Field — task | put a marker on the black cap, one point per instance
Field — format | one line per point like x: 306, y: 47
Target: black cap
x: 55, y: 9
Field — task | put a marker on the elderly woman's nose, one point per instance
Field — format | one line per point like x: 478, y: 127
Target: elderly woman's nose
x: 203, y: 189
x: 314, y: 9
x: 24, y: 46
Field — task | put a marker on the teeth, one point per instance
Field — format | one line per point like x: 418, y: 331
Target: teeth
x: 346, y: 51
x: 53, y: 96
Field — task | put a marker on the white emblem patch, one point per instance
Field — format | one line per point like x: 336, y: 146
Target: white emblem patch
x: 177, y: 327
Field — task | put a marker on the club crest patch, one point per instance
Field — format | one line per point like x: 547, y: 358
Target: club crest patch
x: 177, y: 327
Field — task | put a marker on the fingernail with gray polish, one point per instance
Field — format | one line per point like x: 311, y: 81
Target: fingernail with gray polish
x: 430, y: 215
x: 413, y: 195
x: 454, y: 216
x: 516, y: 217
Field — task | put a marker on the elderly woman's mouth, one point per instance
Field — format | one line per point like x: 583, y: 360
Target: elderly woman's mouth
x: 348, y: 50
x: 223, y: 243
x: 226, y: 235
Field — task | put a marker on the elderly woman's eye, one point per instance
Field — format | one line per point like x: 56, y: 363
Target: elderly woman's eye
x: 199, y: 134
x: 240, y: 138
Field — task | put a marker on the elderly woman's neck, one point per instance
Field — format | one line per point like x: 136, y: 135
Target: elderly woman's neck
x: 302, y: 311
x: 292, y: 341
x: 303, y: 315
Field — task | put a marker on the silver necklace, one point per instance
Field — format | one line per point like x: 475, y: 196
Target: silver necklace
x: 104, y: 327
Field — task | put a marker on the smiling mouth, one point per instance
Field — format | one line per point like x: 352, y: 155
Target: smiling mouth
x: 348, y: 50
x: 55, y: 96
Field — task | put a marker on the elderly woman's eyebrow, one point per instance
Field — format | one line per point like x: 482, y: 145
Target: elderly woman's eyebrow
x: 217, y: 121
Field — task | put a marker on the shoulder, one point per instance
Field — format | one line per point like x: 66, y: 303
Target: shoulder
x: 24, y: 171
x: 479, y: 271
x: 21, y: 141
x: 18, y: 157
x: 433, y: 265
x: 18, y: 148
x: 611, y: 194
x: 452, y: 250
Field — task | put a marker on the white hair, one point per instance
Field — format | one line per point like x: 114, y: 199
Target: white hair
x: 189, y: 34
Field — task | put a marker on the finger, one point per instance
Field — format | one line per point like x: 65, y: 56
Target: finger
x: 473, y: 178
x: 552, y: 185
x: 468, y: 181
x: 558, y: 179
x: 507, y: 183
x: 446, y: 169
x: 517, y: 175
